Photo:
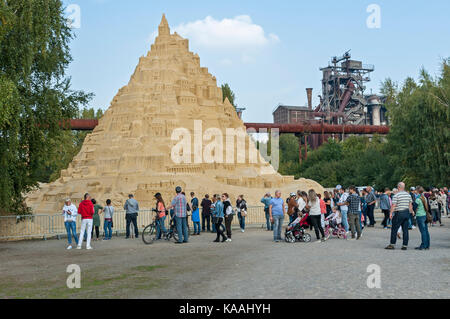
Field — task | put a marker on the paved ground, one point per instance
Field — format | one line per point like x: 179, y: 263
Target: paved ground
x: 252, y: 266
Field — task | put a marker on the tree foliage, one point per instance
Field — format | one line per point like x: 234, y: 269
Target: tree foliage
x: 228, y: 93
x: 35, y: 93
x: 415, y: 151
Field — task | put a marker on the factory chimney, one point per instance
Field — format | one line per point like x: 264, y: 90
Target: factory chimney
x: 309, y: 95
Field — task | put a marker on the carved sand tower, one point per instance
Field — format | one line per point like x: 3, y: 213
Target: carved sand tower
x: 130, y: 151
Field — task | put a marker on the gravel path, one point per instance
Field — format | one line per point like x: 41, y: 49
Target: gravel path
x: 252, y: 266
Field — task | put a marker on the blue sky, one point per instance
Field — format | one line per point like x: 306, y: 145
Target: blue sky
x: 268, y: 51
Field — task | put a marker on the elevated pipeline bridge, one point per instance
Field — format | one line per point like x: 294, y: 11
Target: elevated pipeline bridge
x: 302, y: 131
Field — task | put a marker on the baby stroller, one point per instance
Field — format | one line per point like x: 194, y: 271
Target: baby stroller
x: 295, y: 231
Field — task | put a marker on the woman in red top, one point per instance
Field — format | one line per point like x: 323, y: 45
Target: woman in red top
x: 160, y: 216
x: 323, y: 210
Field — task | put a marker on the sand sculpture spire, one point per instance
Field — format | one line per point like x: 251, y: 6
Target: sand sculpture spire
x: 132, y: 149
x: 164, y: 29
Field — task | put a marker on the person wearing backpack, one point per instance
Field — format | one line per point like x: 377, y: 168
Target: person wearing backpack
x: 228, y: 212
x: 108, y: 211
x: 423, y: 217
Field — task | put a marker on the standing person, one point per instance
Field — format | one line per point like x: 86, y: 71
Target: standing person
x: 70, y: 221
x: 213, y: 207
x: 266, y: 201
x: 364, y: 207
x: 421, y: 218
x: 400, y: 210
x: 96, y: 219
x: 342, y: 204
x: 108, y: 220
x: 161, y: 214
x: 241, y: 206
x: 195, y: 214
x: 328, y: 202
x: 371, y: 201
x: 206, y: 213
x: 86, y: 210
x: 323, y: 210
x: 385, y: 205
x: 218, y: 216
x: 277, y: 209
x: 179, y: 204
x: 228, y: 212
x: 316, y: 214
x: 434, y: 207
x: 292, y: 207
x: 132, y: 209
x: 354, y: 207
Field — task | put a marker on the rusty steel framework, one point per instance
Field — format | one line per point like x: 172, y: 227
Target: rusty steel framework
x: 343, y: 87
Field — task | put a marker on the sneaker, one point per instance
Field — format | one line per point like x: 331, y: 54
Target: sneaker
x: 390, y: 247
x: 69, y: 247
x: 242, y: 230
x: 224, y: 240
x: 78, y: 247
x: 414, y: 227
x: 404, y: 248
x: 418, y: 248
x: 442, y: 225
x: 216, y: 241
x: 228, y: 240
x: 324, y: 239
x: 89, y: 248
x: 358, y: 237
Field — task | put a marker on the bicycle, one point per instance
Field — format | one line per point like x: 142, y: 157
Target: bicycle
x: 149, y: 232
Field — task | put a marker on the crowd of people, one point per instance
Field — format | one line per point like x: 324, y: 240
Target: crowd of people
x: 352, y: 209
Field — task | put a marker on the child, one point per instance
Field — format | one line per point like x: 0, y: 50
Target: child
x: 334, y: 218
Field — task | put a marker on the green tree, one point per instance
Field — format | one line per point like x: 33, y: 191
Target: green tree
x: 419, y: 138
x: 228, y: 93
x: 35, y: 94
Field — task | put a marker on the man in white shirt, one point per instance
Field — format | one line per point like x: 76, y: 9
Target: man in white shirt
x: 70, y: 221
x: 342, y: 204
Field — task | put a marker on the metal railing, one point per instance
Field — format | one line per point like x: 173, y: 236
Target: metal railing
x: 52, y: 225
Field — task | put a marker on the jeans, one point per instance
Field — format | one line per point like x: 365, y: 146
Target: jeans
x: 132, y: 218
x: 206, y: 221
x: 107, y: 228
x: 370, y: 214
x: 386, y: 213
x: 344, y: 220
x: 268, y: 223
x: 86, y: 227
x: 160, y: 227
x: 219, y: 229
x: 182, y: 229
x: 277, y: 226
x: 196, y: 227
x: 71, y: 228
x: 241, y: 220
x: 423, y: 227
x: 213, y: 228
x: 360, y: 222
x: 400, y: 218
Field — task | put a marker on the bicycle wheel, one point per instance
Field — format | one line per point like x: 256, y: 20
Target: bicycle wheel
x: 148, y: 235
x: 175, y: 234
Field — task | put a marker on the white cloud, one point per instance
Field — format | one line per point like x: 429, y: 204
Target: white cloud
x: 236, y: 33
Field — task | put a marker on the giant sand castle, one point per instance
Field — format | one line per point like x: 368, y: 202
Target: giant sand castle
x: 130, y: 150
